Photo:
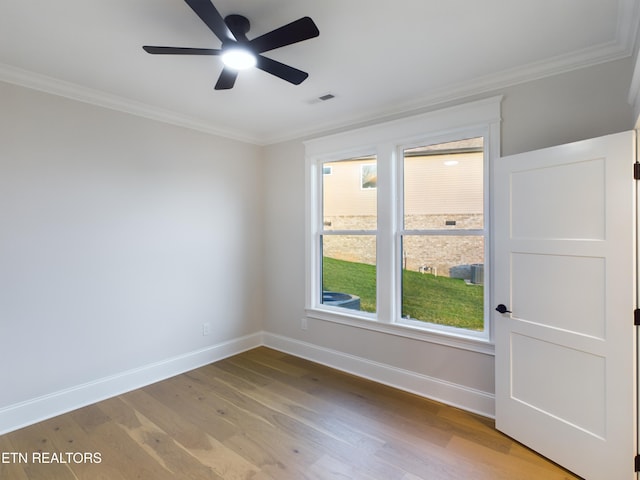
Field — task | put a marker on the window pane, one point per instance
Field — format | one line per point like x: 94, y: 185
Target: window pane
x: 349, y: 271
x: 443, y: 186
x: 443, y: 280
x: 349, y: 195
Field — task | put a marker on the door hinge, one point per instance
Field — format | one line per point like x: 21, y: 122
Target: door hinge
x: 637, y: 463
x: 636, y: 171
x: 636, y: 317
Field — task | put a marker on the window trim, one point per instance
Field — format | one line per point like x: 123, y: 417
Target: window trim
x: 384, y: 140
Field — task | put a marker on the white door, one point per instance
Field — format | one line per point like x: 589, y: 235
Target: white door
x: 564, y: 253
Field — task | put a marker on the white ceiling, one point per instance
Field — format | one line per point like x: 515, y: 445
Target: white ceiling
x: 379, y: 58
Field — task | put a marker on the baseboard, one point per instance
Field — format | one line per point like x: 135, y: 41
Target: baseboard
x: 41, y: 408
x: 460, y: 396
x: 47, y: 406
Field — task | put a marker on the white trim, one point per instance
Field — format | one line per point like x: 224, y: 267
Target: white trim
x: 567, y: 63
x: 47, y: 406
x: 448, y: 336
x: 478, y: 118
x: 407, y: 129
x: 91, y: 96
x: 622, y: 47
x: 34, y: 410
x: 460, y: 396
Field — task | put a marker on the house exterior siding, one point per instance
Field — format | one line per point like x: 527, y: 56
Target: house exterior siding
x: 438, y: 196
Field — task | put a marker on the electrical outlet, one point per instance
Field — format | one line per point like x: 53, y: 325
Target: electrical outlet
x: 303, y: 324
x: 206, y: 328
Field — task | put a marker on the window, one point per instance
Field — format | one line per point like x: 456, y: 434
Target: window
x: 347, y: 238
x: 368, y: 176
x: 442, y: 235
x: 398, y: 237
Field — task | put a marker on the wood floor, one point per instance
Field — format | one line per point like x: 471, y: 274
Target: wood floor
x: 265, y: 415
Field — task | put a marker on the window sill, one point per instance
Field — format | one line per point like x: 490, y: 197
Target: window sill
x: 452, y: 337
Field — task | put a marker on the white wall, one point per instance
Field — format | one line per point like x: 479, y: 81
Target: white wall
x: 565, y: 108
x: 551, y: 111
x: 119, y: 238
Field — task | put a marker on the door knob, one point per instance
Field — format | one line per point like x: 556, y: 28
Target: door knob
x: 502, y: 309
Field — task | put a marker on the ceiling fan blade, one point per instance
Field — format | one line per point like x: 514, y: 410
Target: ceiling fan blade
x: 285, y: 72
x: 297, y: 31
x: 227, y: 79
x: 181, y: 50
x: 212, y: 18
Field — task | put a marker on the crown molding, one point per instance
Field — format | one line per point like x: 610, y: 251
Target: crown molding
x: 626, y: 44
x: 478, y: 86
x: 54, y: 86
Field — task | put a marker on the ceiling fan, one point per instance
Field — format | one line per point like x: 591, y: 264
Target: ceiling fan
x: 237, y: 51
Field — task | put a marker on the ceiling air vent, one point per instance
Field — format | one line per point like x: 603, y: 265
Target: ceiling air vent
x: 322, y: 98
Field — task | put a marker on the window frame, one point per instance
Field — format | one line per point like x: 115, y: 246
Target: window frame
x: 386, y: 141
x: 401, y: 232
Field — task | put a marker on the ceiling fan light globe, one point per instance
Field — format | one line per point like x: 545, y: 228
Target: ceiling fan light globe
x: 238, y: 58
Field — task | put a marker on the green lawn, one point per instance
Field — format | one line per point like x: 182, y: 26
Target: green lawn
x: 441, y: 300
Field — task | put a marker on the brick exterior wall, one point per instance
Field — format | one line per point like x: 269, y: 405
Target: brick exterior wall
x: 443, y: 255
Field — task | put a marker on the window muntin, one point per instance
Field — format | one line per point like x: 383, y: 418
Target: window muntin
x: 347, y: 239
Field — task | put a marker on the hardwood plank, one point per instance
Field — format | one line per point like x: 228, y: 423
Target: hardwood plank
x: 191, y: 438
x: 65, y: 435
x: 186, y: 399
x: 500, y: 466
x: 11, y: 465
x: 118, y: 449
x: 363, y: 408
x: 267, y: 415
x: 35, y: 443
x: 297, y: 420
x: 155, y: 442
x: 254, y: 424
x: 329, y: 468
x: 304, y: 409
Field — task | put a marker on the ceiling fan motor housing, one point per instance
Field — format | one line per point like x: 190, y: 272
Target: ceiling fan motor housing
x: 239, y: 26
